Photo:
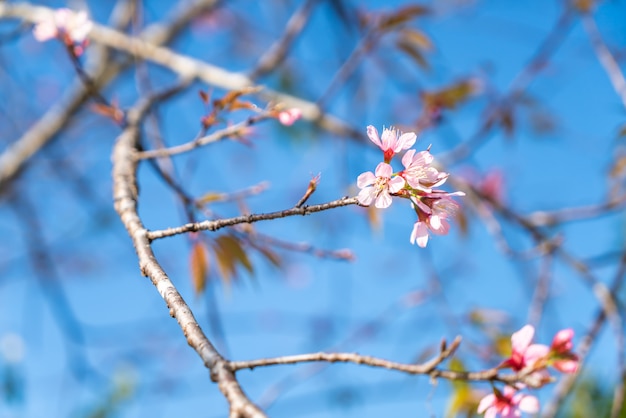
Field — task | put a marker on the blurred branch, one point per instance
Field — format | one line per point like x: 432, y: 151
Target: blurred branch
x: 278, y: 51
x: 101, y: 70
x: 246, y: 219
x: 566, y: 384
x: 126, y: 194
x: 605, y: 57
x: 186, y: 66
x: 518, y: 85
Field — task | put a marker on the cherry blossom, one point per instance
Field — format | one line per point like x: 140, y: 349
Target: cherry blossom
x: 289, y: 116
x: 377, y: 187
x: 71, y: 27
x: 418, y: 172
x: 563, y: 359
x: 433, y: 211
x: 391, y: 141
x: 524, y: 355
x: 507, y: 404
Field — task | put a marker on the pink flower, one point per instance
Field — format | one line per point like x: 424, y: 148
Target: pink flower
x: 492, y: 186
x: 391, y: 141
x: 563, y: 359
x: 433, y: 210
x: 378, y: 187
x: 418, y: 173
x: 507, y: 404
x: 524, y: 354
x: 289, y: 116
x: 64, y: 23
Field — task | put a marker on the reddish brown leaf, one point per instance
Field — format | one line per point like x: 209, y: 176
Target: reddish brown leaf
x: 199, y: 266
x: 417, y: 38
x: 451, y: 96
x: 204, y: 96
x: 401, y: 16
x: 413, y: 52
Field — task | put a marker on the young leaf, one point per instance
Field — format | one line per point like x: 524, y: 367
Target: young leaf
x: 199, y: 266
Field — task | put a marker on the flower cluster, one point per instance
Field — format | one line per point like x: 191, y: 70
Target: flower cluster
x: 70, y: 27
x: 531, y: 360
x: 416, y: 182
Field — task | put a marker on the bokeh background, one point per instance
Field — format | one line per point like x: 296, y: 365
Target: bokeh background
x: 507, y: 93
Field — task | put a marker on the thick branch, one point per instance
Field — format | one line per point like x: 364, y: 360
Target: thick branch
x: 125, y: 193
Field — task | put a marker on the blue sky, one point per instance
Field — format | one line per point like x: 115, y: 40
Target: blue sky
x: 310, y: 304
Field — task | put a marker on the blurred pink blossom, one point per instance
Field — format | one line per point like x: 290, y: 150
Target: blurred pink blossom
x: 75, y: 25
x: 433, y: 210
x: 492, y: 186
x: 70, y: 27
x: 507, y: 404
x: 563, y: 359
x: 289, y: 116
x: 377, y: 187
x: 524, y: 354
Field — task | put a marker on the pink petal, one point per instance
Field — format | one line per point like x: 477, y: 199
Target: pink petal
x: 388, y: 139
x: 535, y: 352
x: 365, y: 179
x: 384, y: 170
x: 566, y: 366
x: 419, y: 234
x: 366, y: 196
x: 491, y: 412
x: 396, y: 184
x: 529, y: 404
x: 563, y: 340
x: 444, y: 227
x: 486, y: 402
x: 372, y: 133
x: 522, y: 338
x: 383, y: 200
x: 289, y: 116
x: 45, y: 30
x: 405, y: 141
x: 407, y: 158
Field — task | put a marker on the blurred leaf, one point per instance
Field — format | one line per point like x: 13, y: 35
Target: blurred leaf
x: 210, y: 197
x: 270, y: 255
x: 373, y: 218
x: 619, y: 167
x: 112, y: 112
x: 584, y: 6
x: 502, y: 345
x: 401, y: 16
x: 451, y: 96
x: 230, y: 253
x: 507, y: 120
x: 413, y: 52
x: 231, y: 99
x: 542, y: 122
x: 417, y: 38
x: 462, y: 221
x: 199, y: 266
x: 622, y: 131
x: 204, y: 96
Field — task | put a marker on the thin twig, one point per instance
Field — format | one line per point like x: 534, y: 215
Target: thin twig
x: 246, y: 219
x: 231, y: 131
